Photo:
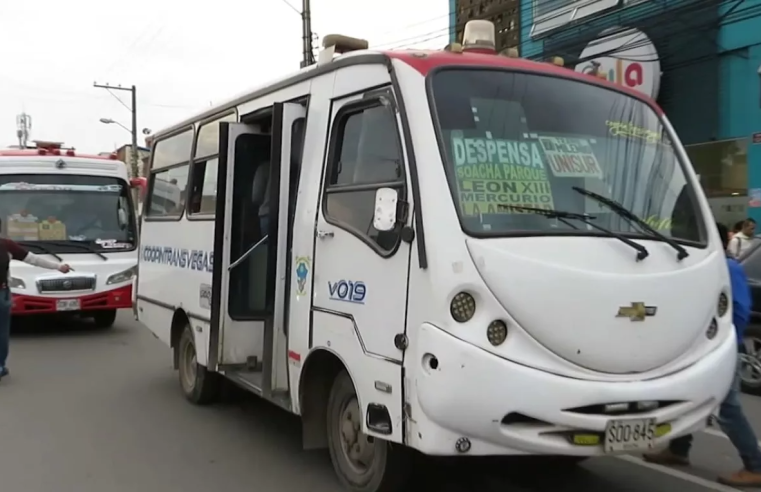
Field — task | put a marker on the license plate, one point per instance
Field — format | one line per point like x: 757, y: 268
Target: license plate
x: 67, y: 305
x: 629, y: 435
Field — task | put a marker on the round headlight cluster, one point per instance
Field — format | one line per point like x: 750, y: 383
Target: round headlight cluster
x: 723, y: 305
x: 496, y: 333
x: 463, y: 307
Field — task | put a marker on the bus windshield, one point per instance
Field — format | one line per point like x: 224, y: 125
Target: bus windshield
x: 516, y: 139
x: 63, y: 212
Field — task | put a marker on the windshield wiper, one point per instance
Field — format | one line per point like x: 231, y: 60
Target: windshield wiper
x: 30, y: 244
x: 632, y: 218
x: 80, y: 246
x: 563, y: 216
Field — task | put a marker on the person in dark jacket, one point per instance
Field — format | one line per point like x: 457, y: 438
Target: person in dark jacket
x: 731, y: 417
x: 10, y: 250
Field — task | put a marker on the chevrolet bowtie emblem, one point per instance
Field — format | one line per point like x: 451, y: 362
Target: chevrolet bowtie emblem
x: 637, y: 311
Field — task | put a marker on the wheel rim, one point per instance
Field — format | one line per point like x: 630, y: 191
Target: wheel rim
x: 188, y: 367
x: 750, y: 362
x: 358, y: 448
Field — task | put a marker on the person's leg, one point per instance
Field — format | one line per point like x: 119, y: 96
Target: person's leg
x: 5, y: 329
x: 677, y: 453
x: 735, y: 425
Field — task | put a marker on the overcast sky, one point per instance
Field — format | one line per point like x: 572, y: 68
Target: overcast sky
x: 181, y: 55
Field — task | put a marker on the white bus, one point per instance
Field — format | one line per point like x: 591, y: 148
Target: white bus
x: 442, y: 252
x: 77, y: 209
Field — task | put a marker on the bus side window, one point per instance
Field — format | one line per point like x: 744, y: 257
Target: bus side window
x: 167, y: 194
x: 169, y: 175
x: 204, y: 187
x: 366, y: 151
x: 297, y: 150
x: 203, y: 182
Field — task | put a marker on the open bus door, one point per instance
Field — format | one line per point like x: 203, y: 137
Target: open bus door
x: 248, y: 333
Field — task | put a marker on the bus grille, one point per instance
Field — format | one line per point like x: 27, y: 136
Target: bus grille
x: 66, y: 284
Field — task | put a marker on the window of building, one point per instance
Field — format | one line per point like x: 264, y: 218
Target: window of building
x: 366, y: 151
x: 723, y: 170
x: 552, y: 14
x: 167, y: 193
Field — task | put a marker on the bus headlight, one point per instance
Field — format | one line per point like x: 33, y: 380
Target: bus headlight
x: 120, y: 277
x: 463, y: 307
x: 496, y: 333
x: 723, y: 305
x: 713, y: 329
x: 16, y: 283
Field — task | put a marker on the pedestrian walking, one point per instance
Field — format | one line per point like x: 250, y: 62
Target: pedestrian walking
x: 731, y: 417
x: 741, y: 240
x: 735, y: 229
x: 10, y: 250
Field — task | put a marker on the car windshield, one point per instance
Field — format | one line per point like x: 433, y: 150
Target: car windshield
x: 531, y: 140
x: 62, y: 213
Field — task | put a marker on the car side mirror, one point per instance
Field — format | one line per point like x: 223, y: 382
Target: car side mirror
x: 384, y: 218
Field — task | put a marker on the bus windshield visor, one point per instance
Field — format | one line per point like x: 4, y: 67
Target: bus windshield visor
x: 59, y: 212
x: 513, y: 141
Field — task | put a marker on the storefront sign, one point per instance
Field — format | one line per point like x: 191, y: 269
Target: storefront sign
x: 626, y: 57
x: 754, y: 198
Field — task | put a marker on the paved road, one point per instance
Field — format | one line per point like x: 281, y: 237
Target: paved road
x: 99, y: 411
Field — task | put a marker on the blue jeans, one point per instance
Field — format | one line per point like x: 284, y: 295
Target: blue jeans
x: 734, y: 424
x: 5, y: 324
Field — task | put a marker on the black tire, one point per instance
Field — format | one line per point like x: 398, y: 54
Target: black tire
x: 198, y: 385
x: 389, y: 468
x: 564, y: 463
x: 751, y: 385
x: 104, y: 319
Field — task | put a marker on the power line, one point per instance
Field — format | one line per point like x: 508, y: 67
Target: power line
x: 76, y: 96
x: 291, y: 6
x: 527, y: 21
x: 693, y: 8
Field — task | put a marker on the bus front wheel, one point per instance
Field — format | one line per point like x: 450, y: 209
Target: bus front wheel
x: 104, y: 319
x: 363, y: 463
x: 199, y: 385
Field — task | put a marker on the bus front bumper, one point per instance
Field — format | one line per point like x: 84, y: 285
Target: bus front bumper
x: 499, y: 407
x: 119, y: 298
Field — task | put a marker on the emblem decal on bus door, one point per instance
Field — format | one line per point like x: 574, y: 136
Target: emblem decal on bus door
x: 302, y: 264
x: 636, y: 311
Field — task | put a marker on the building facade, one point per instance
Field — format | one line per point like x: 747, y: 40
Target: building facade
x: 124, y: 154
x: 700, y: 59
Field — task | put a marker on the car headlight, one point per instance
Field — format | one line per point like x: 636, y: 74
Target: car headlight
x: 16, y: 283
x: 124, y: 276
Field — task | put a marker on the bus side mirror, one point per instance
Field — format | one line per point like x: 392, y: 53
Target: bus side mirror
x: 384, y: 218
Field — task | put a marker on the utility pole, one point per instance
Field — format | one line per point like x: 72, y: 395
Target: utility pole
x: 306, y: 34
x: 133, y: 110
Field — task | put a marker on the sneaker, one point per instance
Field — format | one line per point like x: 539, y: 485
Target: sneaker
x: 666, y: 457
x: 742, y: 478
x: 4, y: 372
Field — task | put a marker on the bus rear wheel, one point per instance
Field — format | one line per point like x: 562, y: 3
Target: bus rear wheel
x: 362, y: 463
x: 198, y: 384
